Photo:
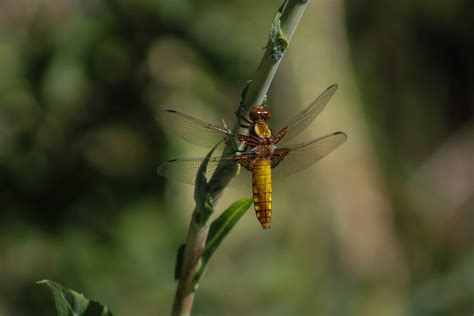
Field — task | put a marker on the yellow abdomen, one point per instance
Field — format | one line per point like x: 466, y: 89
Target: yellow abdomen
x: 262, y: 191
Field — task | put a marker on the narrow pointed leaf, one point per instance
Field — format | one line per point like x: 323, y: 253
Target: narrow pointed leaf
x: 243, y: 95
x: 202, y: 196
x: 219, y: 229
x: 71, y: 303
x: 277, y: 41
x: 179, y: 262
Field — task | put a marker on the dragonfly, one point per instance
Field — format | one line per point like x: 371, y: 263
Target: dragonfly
x: 267, y: 155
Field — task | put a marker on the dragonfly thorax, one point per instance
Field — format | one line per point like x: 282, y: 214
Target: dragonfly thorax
x: 264, y: 151
x: 262, y: 130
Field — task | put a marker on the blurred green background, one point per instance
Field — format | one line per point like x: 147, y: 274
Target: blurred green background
x: 383, y: 226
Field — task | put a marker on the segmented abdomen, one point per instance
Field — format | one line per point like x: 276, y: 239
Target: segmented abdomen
x: 262, y: 191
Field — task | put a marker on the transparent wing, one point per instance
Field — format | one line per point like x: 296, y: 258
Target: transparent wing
x: 303, y: 155
x: 304, y: 118
x: 184, y: 170
x: 192, y: 129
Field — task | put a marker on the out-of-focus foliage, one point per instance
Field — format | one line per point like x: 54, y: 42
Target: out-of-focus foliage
x: 413, y: 66
x: 382, y: 231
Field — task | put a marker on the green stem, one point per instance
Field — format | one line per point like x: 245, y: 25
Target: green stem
x: 290, y: 18
x: 291, y: 13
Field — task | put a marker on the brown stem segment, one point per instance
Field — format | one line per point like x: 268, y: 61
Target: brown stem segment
x: 195, y: 243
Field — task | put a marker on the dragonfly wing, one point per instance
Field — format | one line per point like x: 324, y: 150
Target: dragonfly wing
x: 184, y: 170
x: 192, y: 129
x: 298, y: 157
x: 303, y: 119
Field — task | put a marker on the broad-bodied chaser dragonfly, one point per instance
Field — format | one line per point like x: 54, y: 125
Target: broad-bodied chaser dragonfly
x: 267, y: 154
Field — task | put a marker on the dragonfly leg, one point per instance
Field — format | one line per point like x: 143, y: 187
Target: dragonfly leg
x: 245, y: 160
x: 240, y: 150
x: 248, y: 139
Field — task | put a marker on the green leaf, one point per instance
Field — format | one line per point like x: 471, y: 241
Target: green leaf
x: 179, y: 262
x: 72, y: 303
x: 243, y: 95
x: 277, y: 40
x: 204, y: 208
x: 218, y: 230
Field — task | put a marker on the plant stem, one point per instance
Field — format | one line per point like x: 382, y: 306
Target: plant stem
x: 195, y: 243
x: 292, y: 11
x: 291, y: 16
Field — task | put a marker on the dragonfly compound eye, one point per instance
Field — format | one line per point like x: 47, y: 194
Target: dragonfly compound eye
x: 260, y: 113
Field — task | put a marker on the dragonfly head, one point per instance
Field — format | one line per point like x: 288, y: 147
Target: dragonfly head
x: 260, y: 113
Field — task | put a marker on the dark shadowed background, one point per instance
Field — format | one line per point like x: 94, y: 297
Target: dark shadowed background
x: 382, y: 226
